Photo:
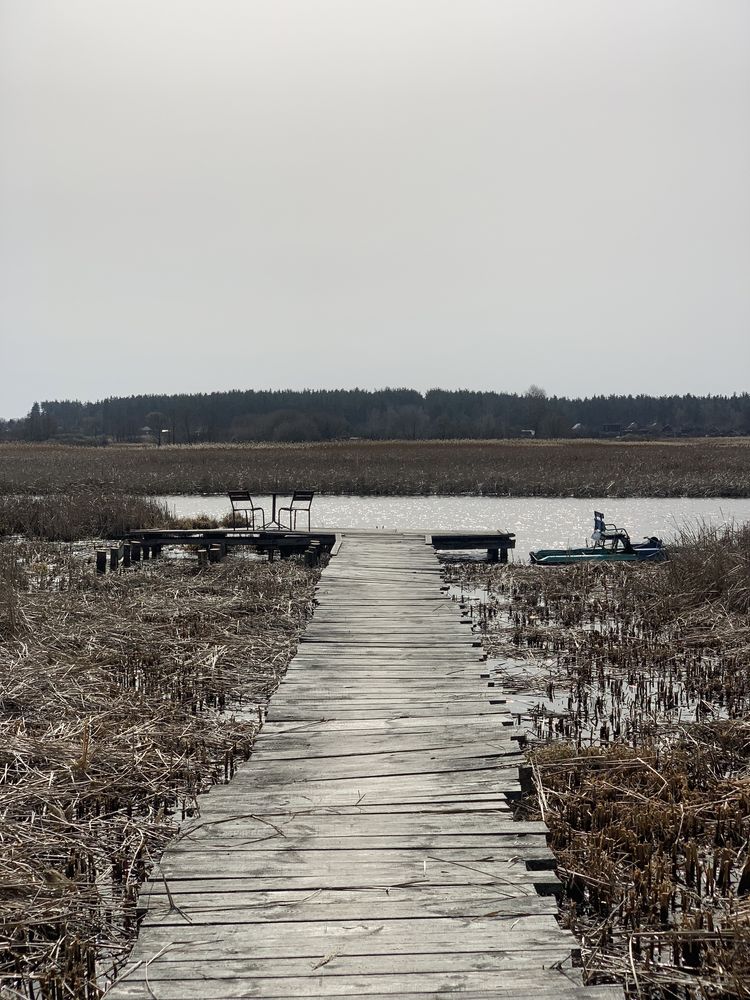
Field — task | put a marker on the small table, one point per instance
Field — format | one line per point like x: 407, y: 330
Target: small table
x: 273, y: 521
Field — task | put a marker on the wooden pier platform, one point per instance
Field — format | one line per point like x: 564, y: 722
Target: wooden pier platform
x: 497, y: 543
x: 368, y: 848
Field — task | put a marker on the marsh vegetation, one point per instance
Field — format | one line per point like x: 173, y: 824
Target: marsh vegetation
x: 639, y: 749
x: 712, y: 467
x: 122, y: 698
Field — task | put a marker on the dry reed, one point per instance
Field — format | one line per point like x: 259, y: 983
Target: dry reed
x: 640, y: 752
x: 697, y: 468
x: 79, y: 513
x: 121, y: 699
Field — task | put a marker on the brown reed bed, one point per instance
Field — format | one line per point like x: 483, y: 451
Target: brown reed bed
x: 122, y: 698
x: 639, y: 748
x: 652, y: 846
x: 79, y: 513
x: 696, y: 468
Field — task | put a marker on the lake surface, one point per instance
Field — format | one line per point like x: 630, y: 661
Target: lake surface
x: 538, y: 522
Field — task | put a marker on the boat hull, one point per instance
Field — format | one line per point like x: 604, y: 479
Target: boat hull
x: 567, y: 557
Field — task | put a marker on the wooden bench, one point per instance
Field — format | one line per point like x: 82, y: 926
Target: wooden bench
x: 496, y: 543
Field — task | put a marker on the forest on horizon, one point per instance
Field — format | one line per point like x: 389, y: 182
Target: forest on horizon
x: 322, y: 415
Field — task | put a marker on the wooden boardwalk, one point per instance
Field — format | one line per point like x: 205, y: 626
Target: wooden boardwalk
x: 367, y: 849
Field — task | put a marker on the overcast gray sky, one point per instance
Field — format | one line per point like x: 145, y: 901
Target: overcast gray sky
x: 272, y: 193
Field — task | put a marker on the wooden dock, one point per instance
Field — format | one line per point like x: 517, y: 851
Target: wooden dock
x: 368, y: 848
x: 497, y: 543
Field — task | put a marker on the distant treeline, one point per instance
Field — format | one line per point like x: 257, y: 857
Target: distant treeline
x: 322, y: 415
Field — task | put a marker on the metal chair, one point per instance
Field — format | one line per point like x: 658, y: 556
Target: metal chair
x: 242, y: 503
x: 604, y: 532
x: 301, y: 504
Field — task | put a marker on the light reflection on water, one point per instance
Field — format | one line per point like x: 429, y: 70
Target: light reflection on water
x: 538, y: 522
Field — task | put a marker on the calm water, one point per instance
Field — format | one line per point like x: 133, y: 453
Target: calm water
x: 538, y: 522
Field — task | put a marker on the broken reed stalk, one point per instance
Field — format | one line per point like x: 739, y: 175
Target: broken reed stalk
x: 121, y: 699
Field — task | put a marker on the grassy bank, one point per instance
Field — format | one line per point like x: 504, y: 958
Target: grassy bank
x: 121, y: 699
x: 640, y: 753
x: 697, y: 468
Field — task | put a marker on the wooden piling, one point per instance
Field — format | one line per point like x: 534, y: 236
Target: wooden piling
x: 126, y: 555
x: 135, y: 551
x: 312, y: 554
x: 101, y: 560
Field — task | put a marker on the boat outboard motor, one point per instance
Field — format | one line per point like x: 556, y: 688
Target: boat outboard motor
x: 650, y: 543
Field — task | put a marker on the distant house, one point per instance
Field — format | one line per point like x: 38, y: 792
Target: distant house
x: 632, y: 428
x: 579, y: 429
x: 146, y: 435
x: 528, y: 433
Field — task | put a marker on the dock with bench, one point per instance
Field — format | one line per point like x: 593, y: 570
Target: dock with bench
x: 368, y: 848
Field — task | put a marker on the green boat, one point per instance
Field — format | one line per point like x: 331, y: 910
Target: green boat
x: 610, y: 544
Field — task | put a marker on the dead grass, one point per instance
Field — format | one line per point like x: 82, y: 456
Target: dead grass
x: 642, y: 772
x: 79, y: 513
x: 121, y: 699
x: 697, y: 468
x: 653, y: 849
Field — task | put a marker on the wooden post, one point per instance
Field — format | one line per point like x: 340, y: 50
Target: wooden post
x: 504, y: 554
x: 145, y: 551
x: 492, y: 555
x: 114, y: 559
x: 126, y: 555
x: 155, y: 551
x: 202, y: 558
x: 135, y: 551
x: 214, y: 554
x: 101, y: 560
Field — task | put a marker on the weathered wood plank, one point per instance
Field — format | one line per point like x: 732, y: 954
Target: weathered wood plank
x: 496, y: 824
x: 370, y: 937
x: 524, y: 983
x: 200, y: 903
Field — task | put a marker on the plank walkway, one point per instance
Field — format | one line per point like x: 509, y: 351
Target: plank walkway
x: 367, y: 849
